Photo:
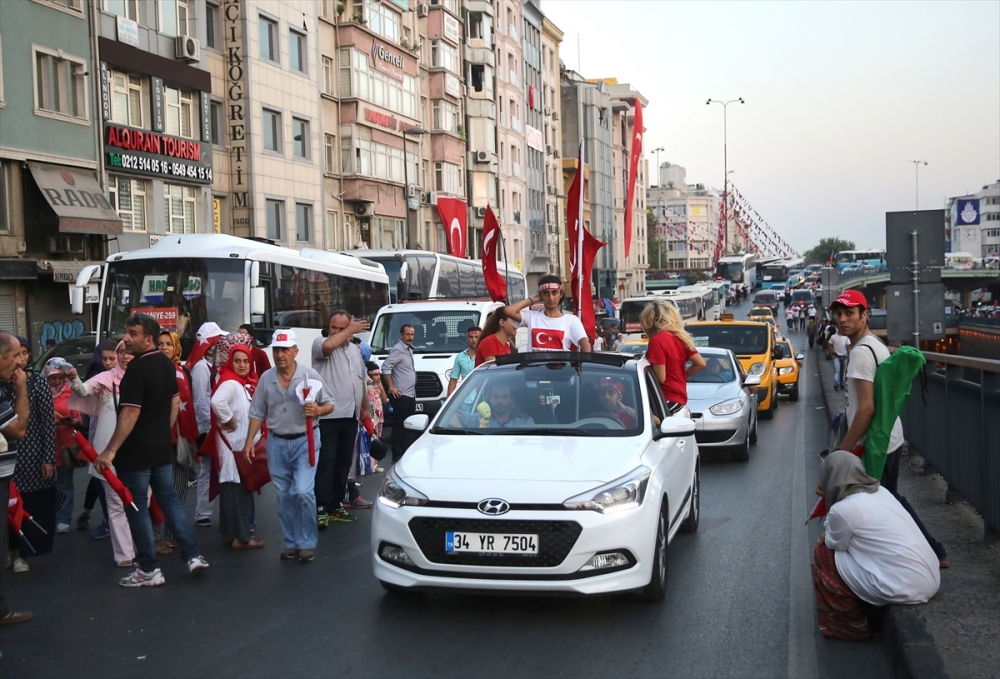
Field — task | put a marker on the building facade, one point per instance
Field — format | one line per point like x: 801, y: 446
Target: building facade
x: 510, y: 131
x: 978, y: 234
x: 630, y: 270
x: 555, y: 218
x: 687, y: 218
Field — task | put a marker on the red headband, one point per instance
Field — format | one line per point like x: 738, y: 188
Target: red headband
x: 550, y: 286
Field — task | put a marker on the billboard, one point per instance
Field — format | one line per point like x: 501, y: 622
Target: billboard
x: 929, y: 225
x: 966, y: 211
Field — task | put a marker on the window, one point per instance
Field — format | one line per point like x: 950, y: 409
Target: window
x: 179, y: 208
x: 268, y: 39
x: 128, y: 198
x: 126, y: 98
x: 330, y: 149
x: 275, y: 210
x: 300, y: 138
x: 60, y: 84
x: 123, y: 8
x: 450, y: 5
x: 481, y: 81
x: 75, y: 5
x: 447, y: 178
x: 218, y: 120
x: 328, y: 76
x: 445, y: 116
x: 358, y: 79
x: 327, y: 8
x: 173, y: 16
x: 4, y: 222
x: 360, y: 155
x: 1, y: 75
x: 180, y: 110
x: 271, y: 121
x: 298, y: 59
x: 382, y: 20
x: 213, y: 27
x: 388, y: 233
x: 444, y: 55
x: 480, y: 27
x: 303, y: 223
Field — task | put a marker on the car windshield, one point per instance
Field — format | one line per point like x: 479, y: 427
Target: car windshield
x: 551, y: 399
x: 742, y: 340
x: 434, y: 332
x: 718, y: 370
x: 782, y: 347
x: 632, y: 349
x: 765, y: 298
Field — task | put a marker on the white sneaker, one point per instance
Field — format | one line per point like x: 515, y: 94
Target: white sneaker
x: 20, y: 565
x: 196, y: 564
x: 140, y: 578
x: 62, y: 527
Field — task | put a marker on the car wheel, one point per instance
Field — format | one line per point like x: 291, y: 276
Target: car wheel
x: 690, y: 524
x: 753, y: 429
x: 769, y: 413
x: 657, y: 587
x: 793, y: 395
x: 742, y: 453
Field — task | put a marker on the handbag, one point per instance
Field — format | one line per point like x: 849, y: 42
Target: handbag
x: 255, y: 474
x: 378, y: 450
x: 183, y: 452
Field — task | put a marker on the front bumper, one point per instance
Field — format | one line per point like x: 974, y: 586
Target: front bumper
x: 721, y: 431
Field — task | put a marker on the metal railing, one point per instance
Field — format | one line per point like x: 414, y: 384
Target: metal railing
x: 957, y: 430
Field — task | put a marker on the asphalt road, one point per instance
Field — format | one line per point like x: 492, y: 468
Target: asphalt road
x: 739, y: 602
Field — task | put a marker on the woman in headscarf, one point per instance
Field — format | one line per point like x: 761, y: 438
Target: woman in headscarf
x: 101, y: 360
x: 98, y: 397
x: 231, y: 398
x: 67, y: 421
x: 871, y: 553
x: 670, y: 348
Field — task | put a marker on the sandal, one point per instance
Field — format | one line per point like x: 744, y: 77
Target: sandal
x: 253, y: 544
x: 15, y: 617
x: 163, y: 547
x: 126, y: 564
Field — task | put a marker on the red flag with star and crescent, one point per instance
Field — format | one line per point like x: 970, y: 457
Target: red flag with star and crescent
x: 583, y: 249
x: 198, y: 352
x: 454, y: 216
x: 495, y: 283
x: 633, y: 172
x: 187, y: 422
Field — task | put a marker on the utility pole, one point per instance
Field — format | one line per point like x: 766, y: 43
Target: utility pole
x: 725, y: 157
x: 916, y: 170
x: 659, y: 209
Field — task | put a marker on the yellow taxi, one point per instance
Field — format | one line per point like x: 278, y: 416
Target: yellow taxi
x: 758, y: 313
x: 636, y: 347
x: 753, y: 343
x: 788, y: 369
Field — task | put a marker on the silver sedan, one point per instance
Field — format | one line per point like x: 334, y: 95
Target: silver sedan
x: 723, y: 404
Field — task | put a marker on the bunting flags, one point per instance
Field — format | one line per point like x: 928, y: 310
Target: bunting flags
x: 454, y: 216
x: 583, y: 249
x: 752, y: 228
x: 495, y: 283
x: 633, y: 171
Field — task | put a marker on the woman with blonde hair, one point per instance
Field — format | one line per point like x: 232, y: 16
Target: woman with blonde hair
x: 670, y: 349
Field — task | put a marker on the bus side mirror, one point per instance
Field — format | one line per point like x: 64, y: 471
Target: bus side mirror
x: 257, y: 301
x: 254, y: 274
x: 76, y: 295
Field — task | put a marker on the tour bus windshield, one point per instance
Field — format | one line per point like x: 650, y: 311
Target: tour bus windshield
x: 435, y: 332
x: 742, y: 340
x: 456, y: 279
x: 730, y: 271
x: 179, y: 293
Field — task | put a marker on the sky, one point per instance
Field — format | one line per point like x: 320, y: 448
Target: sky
x: 839, y: 97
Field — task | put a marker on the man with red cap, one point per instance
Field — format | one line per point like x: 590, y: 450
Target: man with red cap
x: 850, y: 310
x: 610, y: 391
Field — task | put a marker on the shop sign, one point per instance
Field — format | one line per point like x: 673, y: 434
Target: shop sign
x: 216, y: 215
x: 150, y: 153
x: 383, y: 59
x: 156, y: 103
x: 91, y: 294
x: 381, y: 119
x: 18, y: 269
x: 241, y: 214
x: 166, y: 316
x: 451, y: 85
x: 105, y: 92
x: 128, y: 31
x: 534, y: 138
x: 451, y: 28
x: 155, y: 287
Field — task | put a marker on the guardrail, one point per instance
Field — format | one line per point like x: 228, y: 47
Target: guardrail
x: 980, y: 320
x: 957, y: 430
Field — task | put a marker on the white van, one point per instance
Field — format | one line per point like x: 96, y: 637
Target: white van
x: 439, y: 336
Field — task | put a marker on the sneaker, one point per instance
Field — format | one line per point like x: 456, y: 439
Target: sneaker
x: 289, y: 554
x: 306, y: 555
x: 342, y: 516
x: 62, y: 527
x: 83, y: 522
x: 322, y: 520
x: 20, y: 565
x: 101, y: 532
x: 358, y: 503
x: 140, y: 578
x: 197, y: 564
x: 204, y: 523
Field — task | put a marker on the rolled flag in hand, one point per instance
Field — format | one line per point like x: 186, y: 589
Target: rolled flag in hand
x: 307, y: 391
x: 116, y: 484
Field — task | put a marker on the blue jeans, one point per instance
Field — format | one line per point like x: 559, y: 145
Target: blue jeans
x: 161, y: 480
x: 64, y: 477
x: 839, y: 367
x: 294, y: 480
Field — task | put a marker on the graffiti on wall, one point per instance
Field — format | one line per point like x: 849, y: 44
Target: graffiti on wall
x: 59, y: 331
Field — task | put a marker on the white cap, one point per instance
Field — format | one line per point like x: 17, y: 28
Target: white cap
x: 284, y: 338
x: 208, y: 330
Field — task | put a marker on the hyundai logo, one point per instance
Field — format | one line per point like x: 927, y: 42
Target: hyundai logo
x: 493, y: 506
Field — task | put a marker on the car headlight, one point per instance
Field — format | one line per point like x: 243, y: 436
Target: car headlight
x: 785, y: 370
x: 620, y: 495
x: 727, y: 407
x: 756, y: 369
x: 395, y: 494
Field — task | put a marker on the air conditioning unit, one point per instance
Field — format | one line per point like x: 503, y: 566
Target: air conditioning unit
x: 422, y: 9
x: 425, y: 198
x: 547, y: 110
x: 187, y: 48
x: 413, y: 191
x: 364, y: 209
x: 555, y: 153
x: 69, y: 245
x: 548, y: 149
x: 555, y: 115
x: 482, y: 156
x: 480, y: 212
x: 517, y: 216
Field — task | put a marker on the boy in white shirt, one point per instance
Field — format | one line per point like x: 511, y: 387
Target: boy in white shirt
x: 551, y: 329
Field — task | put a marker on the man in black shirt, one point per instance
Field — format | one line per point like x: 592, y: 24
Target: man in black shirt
x: 143, y: 452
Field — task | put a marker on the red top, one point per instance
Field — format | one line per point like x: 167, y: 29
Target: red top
x: 489, y: 347
x: 667, y: 350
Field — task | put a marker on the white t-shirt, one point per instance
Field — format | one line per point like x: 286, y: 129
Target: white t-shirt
x: 599, y: 343
x: 789, y: 313
x: 839, y: 343
x: 881, y: 554
x: 861, y: 366
x: 552, y: 334
x: 812, y: 312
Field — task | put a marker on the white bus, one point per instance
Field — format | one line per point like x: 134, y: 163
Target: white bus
x: 738, y: 269
x: 958, y: 260
x: 184, y: 281
x: 688, y: 304
x: 710, y: 299
x: 419, y: 274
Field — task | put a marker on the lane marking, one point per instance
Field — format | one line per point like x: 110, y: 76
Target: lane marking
x: 802, y: 662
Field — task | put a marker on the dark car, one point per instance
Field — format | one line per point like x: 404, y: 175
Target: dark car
x: 77, y: 351
x: 768, y: 299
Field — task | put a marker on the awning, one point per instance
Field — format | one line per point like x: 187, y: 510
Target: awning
x: 75, y: 197
x: 67, y: 272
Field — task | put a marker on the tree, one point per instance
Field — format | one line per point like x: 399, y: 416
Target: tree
x: 693, y: 277
x: 821, y: 253
x: 655, y: 247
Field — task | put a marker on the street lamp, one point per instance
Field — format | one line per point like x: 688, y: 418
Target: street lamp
x: 725, y: 156
x: 916, y: 169
x: 659, y: 201
x: 415, y: 131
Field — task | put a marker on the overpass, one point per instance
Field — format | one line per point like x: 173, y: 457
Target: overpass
x: 875, y: 279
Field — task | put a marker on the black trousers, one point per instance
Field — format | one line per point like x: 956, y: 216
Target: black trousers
x: 336, y: 452
x: 890, y: 477
x: 402, y: 407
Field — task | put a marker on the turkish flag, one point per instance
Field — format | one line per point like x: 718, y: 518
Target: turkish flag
x: 198, y: 352
x: 546, y: 338
x: 454, y: 216
x: 583, y: 249
x: 495, y: 283
x: 187, y: 422
x: 633, y: 171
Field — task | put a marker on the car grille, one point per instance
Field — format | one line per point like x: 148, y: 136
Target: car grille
x: 555, y: 540
x: 717, y: 436
x: 428, y: 385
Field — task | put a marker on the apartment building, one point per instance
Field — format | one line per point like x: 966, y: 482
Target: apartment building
x: 687, y: 220
x: 510, y: 95
x: 972, y: 222
x: 555, y: 218
x: 538, y: 262
x: 630, y: 270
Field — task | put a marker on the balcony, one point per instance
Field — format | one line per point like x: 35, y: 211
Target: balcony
x: 512, y: 32
x: 513, y: 79
x: 516, y: 170
x: 515, y: 124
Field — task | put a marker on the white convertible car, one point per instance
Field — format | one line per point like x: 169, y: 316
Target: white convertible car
x: 544, y: 472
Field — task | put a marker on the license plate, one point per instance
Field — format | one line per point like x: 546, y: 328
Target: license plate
x: 419, y: 408
x: 491, y: 543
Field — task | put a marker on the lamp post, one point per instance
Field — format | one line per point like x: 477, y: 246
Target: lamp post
x: 659, y: 209
x: 916, y: 170
x: 415, y: 131
x: 725, y: 156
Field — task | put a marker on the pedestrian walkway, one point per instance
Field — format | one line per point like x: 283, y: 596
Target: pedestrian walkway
x: 956, y: 633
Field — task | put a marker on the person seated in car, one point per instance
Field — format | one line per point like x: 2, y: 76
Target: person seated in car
x: 720, y: 369
x: 502, y: 413
x: 610, y: 391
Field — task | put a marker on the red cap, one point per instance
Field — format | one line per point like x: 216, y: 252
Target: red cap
x: 851, y: 298
x: 611, y: 383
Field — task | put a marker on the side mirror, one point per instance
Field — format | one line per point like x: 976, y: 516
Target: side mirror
x: 800, y: 357
x: 257, y: 301
x: 416, y: 422
x: 776, y: 354
x: 254, y: 274
x: 76, y: 299
x: 752, y: 381
x: 677, y: 426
